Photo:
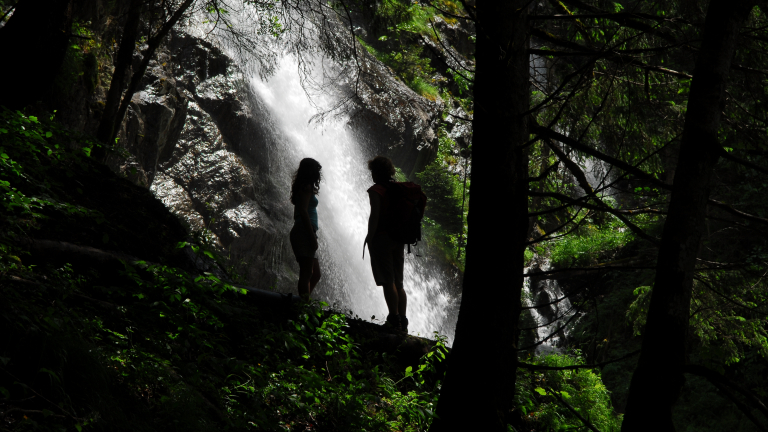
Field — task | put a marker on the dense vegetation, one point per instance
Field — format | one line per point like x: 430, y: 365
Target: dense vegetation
x: 96, y: 339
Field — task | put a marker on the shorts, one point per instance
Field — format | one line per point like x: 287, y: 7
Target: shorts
x: 387, y: 260
x: 301, y: 243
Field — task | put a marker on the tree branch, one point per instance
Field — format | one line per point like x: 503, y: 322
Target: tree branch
x: 725, y: 155
x: 570, y: 142
x: 738, y: 213
x: 612, y: 55
x: 544, y: 173
x: 605, y: 208
x: 715, y: 377
x: 628, y: 21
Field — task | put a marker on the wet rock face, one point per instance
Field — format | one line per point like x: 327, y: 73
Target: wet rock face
x: 388, y: 115
x: 457, y: 35
x: 193, y: 135
x: 214, y: 176
x: 153, y: 124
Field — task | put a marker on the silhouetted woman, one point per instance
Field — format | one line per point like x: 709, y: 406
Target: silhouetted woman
x: 305, y: 187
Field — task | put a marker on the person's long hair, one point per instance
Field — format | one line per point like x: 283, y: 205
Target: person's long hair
x: 307, y: 174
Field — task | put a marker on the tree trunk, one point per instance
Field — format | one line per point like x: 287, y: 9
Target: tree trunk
x: 152, y: 45
x: 122, y: 64
x: 479, y: 387
x: 658, y: 378
x: 34, y: 42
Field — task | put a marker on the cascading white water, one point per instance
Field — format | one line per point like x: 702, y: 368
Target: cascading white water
x: 343, y: 210
x: 561, y: 309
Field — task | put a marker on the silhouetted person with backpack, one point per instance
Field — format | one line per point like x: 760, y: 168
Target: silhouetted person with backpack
x: 396, y: 213
x: 305, y: 187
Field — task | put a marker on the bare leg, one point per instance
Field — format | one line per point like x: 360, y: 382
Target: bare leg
x: 315, y: 275
x: 391, y: 297
x: 402, y: 299
x: 305, y: 274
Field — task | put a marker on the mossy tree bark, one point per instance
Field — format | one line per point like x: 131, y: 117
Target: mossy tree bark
x: 658, y: 378
x: 479, y: 387
x: 34, y: 44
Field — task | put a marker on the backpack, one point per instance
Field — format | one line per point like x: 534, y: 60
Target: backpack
x: 406, y: 210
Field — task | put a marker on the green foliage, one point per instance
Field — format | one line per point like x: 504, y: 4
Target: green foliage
x: 590, y: 244
x: 528, y: 254
x: 29, y: 148
x: 398, y: 16
x: 444, y: 224
x: 582, y: 389
x: 80, y: 62
x: 150, y: 346
x: 443, y: 192
x: 636, y: 314
x: 461, y: 82
x: 410, y: 66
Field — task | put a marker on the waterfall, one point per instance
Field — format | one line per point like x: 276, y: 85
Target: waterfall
x: 541, y: 292
x: 343, y: 209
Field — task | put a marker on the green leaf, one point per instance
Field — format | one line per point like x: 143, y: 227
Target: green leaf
x: 540, y: 391
x: 48, y: 134
x: 349, y: 376
x: 51, y: 373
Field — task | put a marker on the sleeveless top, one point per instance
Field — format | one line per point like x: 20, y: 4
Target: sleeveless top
x: 311, y: 209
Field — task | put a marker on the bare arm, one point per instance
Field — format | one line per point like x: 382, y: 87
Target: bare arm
x: 303, y: 208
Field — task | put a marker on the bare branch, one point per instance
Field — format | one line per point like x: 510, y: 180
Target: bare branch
x: 738, y: 213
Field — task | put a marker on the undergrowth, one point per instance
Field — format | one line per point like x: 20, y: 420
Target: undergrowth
x: 547, y: 399
x: 591, y: 244
x: 122, y: 343
x: 151, y: 344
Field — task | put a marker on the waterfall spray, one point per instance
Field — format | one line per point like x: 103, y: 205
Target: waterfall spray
x: 344, y: 209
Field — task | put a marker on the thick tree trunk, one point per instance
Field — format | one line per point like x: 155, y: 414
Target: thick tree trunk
x: 658, y: 378
x: 122, y: 64
x: 480, y: 384
x: 34, y: 44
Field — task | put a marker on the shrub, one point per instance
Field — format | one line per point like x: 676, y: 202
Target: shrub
x: 590, y: 243
x: 582, y: 389
x: 443, y: 196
